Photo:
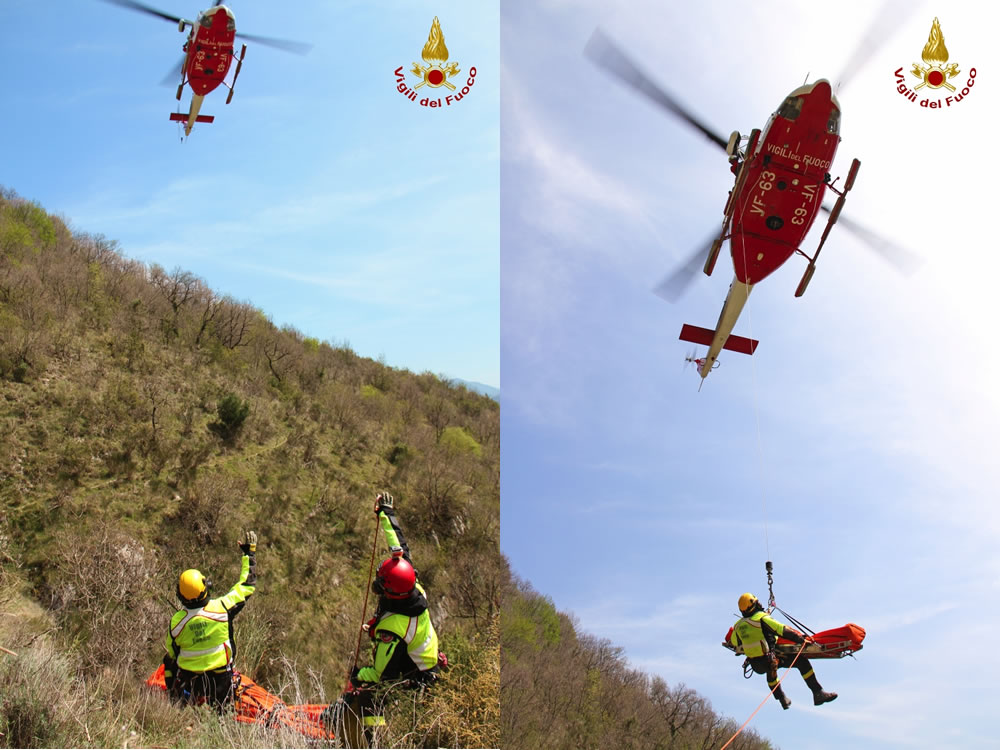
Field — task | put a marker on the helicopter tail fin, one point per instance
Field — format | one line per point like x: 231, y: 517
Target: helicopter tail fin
x: 704, y: 336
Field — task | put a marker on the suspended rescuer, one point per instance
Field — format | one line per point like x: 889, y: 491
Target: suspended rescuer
x: 404, y: 644
x: 757, y: 632
x: 200, y: 642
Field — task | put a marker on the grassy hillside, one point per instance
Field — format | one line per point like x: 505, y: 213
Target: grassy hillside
x: 564, y: 689
x: 145, y: 422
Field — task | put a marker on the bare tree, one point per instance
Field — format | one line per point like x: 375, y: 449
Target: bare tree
x: 178, y: 288
x: 231, y: 322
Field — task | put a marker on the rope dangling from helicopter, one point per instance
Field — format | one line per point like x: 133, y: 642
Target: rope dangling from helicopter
x: 772, y: 604
x: 756, y: 405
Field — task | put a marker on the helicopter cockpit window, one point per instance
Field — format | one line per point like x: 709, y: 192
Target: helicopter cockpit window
x: 205, y: 19
x: 790, y: 108
x: 833, y: 124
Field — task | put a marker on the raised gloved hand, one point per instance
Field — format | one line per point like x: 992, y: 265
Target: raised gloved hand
x: 356, y: 681
x: 383, y: 501
x: 249, y: 544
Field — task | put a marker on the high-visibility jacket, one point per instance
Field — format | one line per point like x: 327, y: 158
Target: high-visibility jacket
x: 417, y: 636
x: 391, y: 629
x: 752, y: 633
x: 200, y: 639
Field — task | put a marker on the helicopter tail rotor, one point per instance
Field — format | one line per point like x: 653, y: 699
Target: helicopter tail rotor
x: 691, y: 358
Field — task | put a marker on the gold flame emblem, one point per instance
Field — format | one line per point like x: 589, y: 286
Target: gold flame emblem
x: 935, y: 54
x: 435, y: 74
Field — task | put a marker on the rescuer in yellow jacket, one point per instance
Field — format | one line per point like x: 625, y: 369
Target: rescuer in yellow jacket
x: 757, y: 632
x: 200, y: 643
x: 404, y: 643
x: 403, y: 638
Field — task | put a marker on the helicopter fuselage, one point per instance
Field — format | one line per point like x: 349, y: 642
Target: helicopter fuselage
x: 209, y: 49
x: 786, y: 180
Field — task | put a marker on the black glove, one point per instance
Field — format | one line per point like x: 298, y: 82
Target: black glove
x: 356, y: 681
x: 383, y: 502
x: 249, y: 544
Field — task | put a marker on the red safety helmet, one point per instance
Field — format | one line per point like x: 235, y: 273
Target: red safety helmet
x: 394, y: 579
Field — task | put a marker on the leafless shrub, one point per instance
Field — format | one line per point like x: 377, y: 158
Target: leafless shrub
x: 105, y: 588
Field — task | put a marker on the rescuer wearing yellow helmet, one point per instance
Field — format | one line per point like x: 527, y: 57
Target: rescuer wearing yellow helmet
x: 200, y: 643
x: 756, y: 633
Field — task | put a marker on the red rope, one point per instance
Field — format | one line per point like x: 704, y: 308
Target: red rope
x: 364, y: 608
x: 738, y: 731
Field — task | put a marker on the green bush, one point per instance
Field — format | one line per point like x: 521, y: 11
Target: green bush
x: 457, y: 440
x: 399, y: 454
x: 232, y: 413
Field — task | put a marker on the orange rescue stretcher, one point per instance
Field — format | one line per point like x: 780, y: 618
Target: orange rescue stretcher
x: 826, y: 644
x: 254, y: 705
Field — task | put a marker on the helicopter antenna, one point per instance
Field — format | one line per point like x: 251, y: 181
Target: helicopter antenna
x: 807, y: 80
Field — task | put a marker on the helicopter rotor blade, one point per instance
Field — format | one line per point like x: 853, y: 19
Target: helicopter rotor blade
x: 143, y: 8
x: 902, y: 260
x: 298, y: 48
x: 890, y: 16
x: 606, y: 54
x: 673, y: 286
x: 174, y: 74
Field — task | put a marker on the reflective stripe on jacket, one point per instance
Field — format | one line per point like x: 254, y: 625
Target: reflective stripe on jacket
x: 416, y: 632
x: 202, y: 635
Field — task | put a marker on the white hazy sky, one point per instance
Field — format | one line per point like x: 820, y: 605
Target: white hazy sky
x: 321, y: 194
x: 865, y: 423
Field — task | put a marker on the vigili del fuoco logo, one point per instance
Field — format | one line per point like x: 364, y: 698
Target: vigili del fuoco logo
x: 935, y: 75
x: 435, y: 74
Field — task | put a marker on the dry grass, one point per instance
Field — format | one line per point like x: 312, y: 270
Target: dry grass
x: 112, y: 482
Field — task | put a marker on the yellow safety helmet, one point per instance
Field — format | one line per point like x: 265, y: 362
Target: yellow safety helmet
x: 192, y: 586
x: 747, y: 602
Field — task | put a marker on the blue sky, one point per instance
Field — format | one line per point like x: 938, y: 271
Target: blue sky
x: 863, y: 429
x: 321, y: 194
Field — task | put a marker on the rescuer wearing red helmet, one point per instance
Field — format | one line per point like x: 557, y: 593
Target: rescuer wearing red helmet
x: 756, y: 633
x: 200, y: 643
x: 404, y: 644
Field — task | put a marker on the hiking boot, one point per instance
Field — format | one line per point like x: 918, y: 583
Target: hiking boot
x: 784, y: 700
x: 821, y: 696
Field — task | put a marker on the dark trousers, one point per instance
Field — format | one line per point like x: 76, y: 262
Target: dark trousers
x: 764, y: 665
x: 356, y: 718
x: 214, y: 688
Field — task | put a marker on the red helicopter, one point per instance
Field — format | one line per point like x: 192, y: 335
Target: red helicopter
x: 782, y: 174
x: 208, y: 54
